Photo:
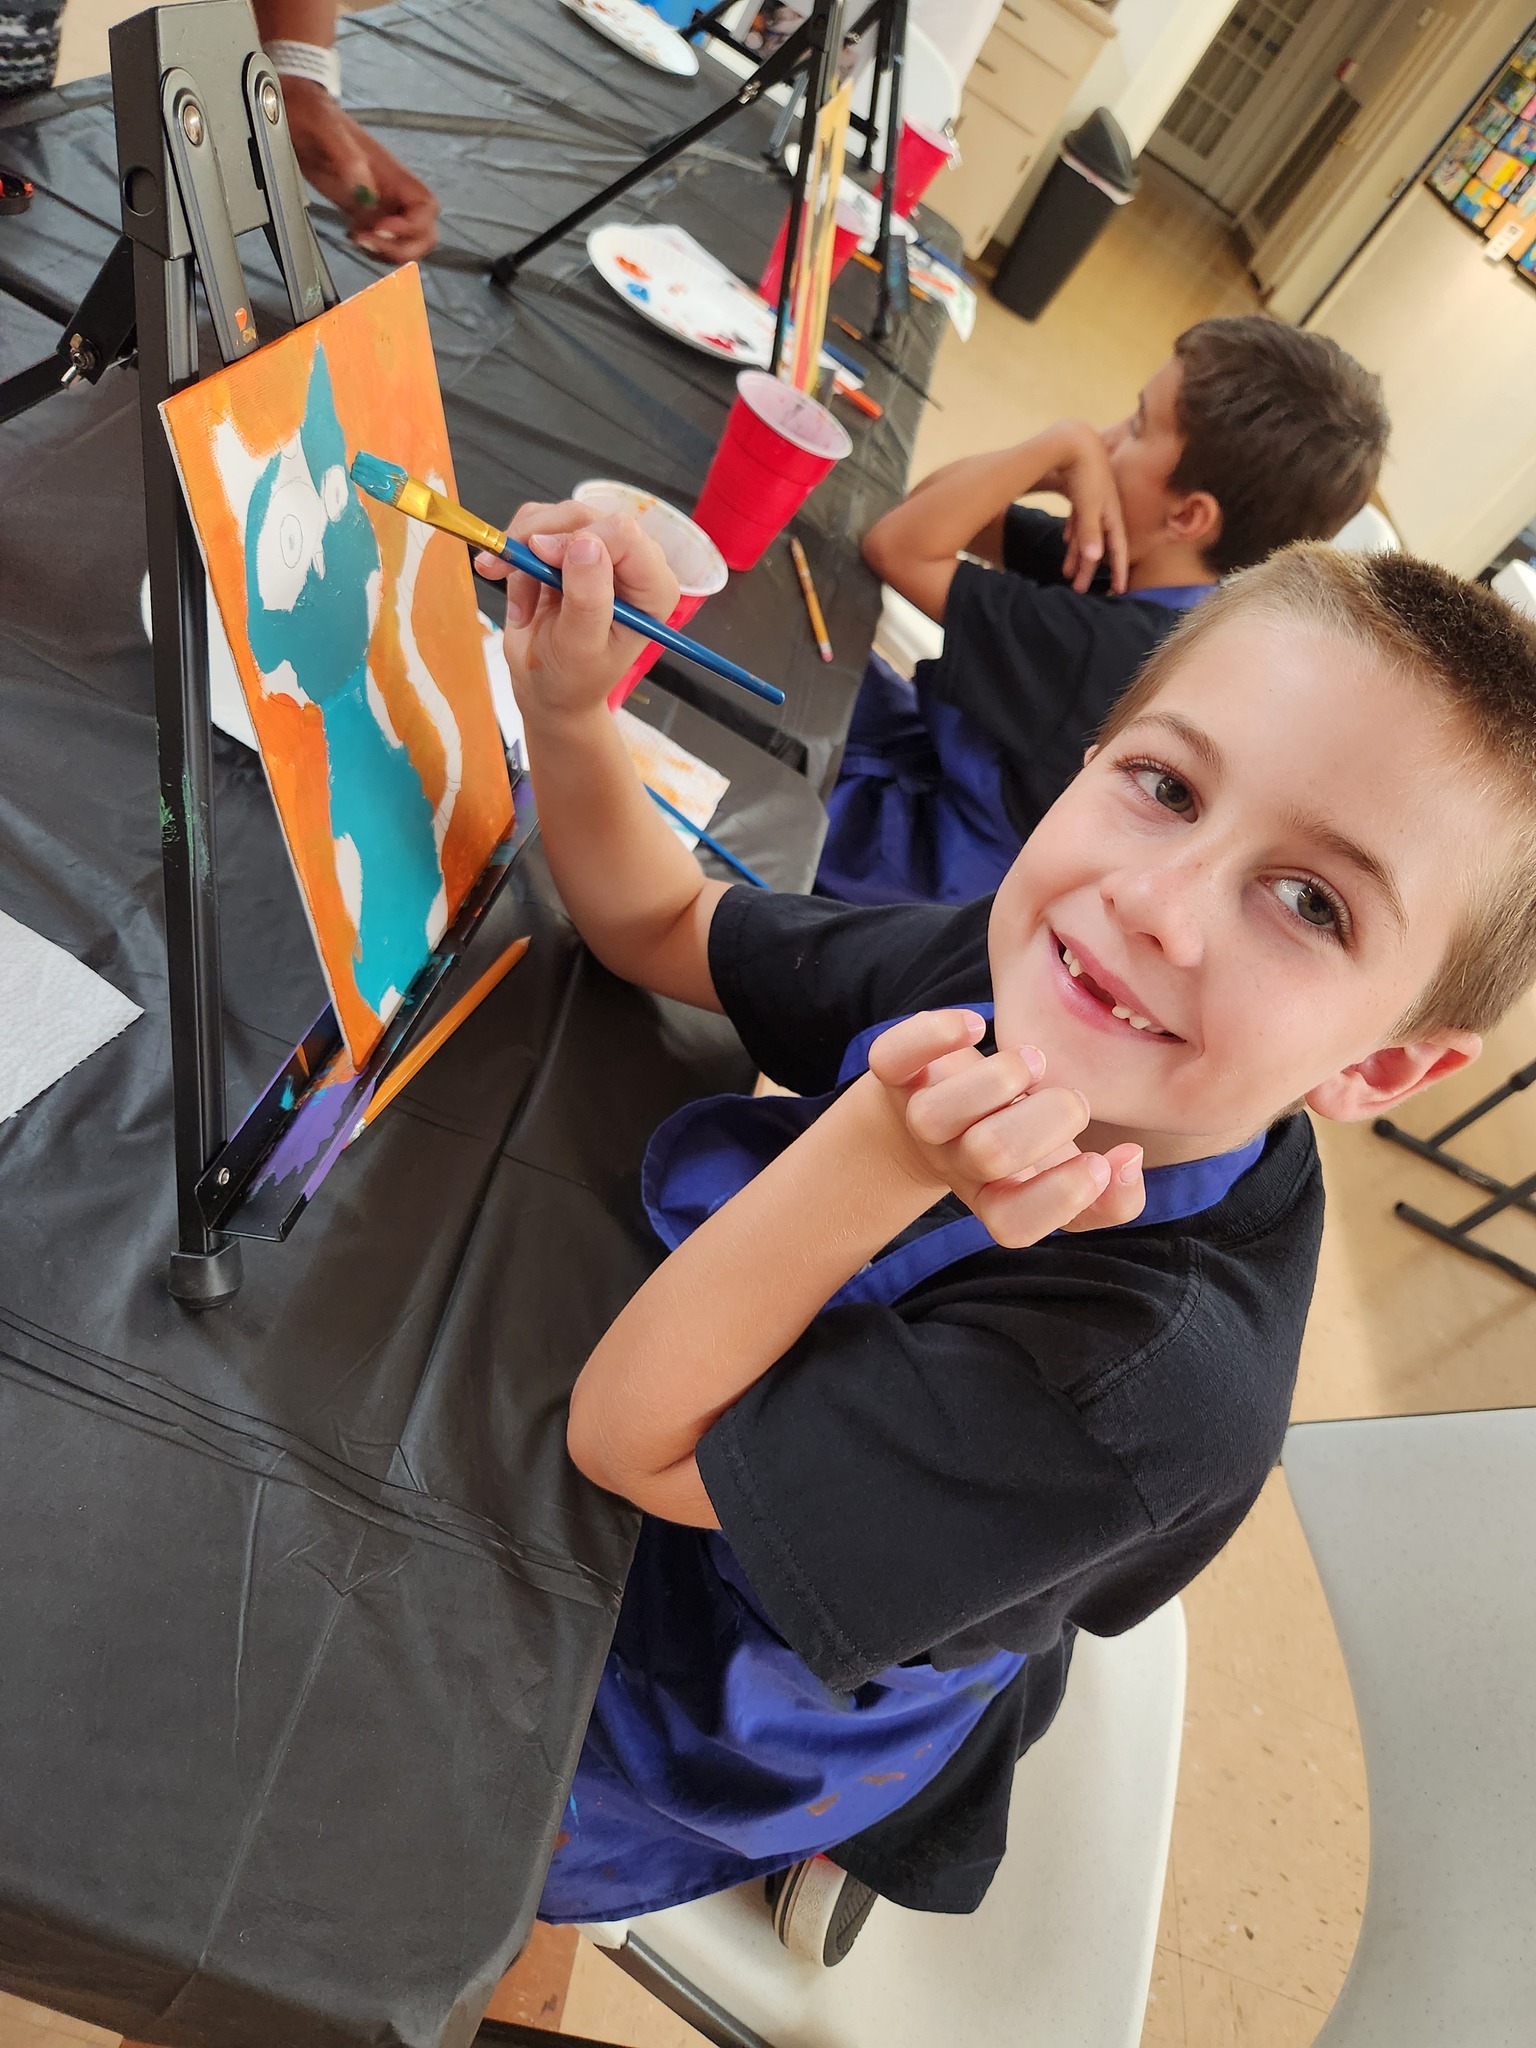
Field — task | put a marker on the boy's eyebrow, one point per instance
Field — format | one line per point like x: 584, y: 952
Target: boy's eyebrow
x: 1359, y: 857
x: 1318, y: 830
x: 1199, y: 743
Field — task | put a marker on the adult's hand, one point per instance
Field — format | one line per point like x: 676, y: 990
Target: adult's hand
x: 388, y: 210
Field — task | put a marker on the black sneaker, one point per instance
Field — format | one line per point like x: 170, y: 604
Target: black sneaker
x: 818, y: 1909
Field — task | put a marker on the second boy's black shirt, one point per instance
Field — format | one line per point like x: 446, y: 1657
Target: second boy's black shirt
x: 1035, y: 664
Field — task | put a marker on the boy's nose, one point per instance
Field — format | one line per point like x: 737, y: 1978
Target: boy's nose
x: 1166, y: 903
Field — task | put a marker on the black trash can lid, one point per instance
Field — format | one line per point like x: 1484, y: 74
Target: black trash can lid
x: 1100, y: 149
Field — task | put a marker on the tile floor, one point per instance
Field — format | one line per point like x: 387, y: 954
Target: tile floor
x: 1267, y: 1874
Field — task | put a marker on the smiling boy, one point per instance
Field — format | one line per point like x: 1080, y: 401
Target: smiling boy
x: 975, y: 1347
x: 1252, y: 435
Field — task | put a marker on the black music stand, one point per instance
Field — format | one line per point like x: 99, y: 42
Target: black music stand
x: 204, y: 156
x: 1519, y: 1194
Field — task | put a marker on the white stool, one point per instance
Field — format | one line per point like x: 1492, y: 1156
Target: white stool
x: 1059, y: 1954
x: 1370, y: 532
x: 1424, y: 1531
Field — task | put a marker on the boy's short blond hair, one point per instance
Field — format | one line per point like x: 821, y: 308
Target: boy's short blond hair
x: 1479, y: 655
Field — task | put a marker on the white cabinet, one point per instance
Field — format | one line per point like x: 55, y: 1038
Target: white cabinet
x: 1032, y: 63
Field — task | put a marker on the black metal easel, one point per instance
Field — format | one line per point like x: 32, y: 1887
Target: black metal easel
x: 812, y: 48
x: 1506, y: 1195
x: 204, y: 156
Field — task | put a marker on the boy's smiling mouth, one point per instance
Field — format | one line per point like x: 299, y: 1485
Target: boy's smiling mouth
x: 1116, y: 1005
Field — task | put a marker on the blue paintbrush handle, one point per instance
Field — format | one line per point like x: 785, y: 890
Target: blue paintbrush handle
x: 720, y: 852
x: 653, y: 629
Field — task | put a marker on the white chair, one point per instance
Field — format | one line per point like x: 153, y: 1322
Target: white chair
x: 1424, y: 1532
x: 906, y: 636
x: 1370, y: 532
x: 1059, y: 1954
x: 1516, y: 584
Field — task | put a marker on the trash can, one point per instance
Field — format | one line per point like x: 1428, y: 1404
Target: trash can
x: 1093, y: 175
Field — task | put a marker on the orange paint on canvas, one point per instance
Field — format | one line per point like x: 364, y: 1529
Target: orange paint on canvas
x: 354, y: 632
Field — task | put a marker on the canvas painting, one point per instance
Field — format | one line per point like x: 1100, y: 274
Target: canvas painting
x: 355, y: 634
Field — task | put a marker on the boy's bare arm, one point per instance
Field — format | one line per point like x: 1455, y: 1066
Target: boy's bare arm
x: 933, y: 1114
x: 632, y: 889
x: 962, y: 507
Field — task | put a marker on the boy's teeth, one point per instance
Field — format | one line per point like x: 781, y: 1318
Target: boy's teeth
x: 1074, y: 967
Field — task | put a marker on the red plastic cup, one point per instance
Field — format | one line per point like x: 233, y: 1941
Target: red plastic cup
x: 777, y: 446
x: 845, y: 239
x: 920, y: 156
x: 691, y: 555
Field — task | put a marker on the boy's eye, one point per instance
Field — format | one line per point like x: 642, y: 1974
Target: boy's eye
x: 1313, y: 904
x: 1164, y: 788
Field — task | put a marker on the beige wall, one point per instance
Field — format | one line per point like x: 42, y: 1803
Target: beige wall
x: 1453, y: 338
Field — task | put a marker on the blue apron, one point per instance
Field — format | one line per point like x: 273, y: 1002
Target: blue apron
x: 917, y: 813
x: 714, y: 1754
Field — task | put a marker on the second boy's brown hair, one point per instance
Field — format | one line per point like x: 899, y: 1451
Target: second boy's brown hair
x: 1479, y: 657
x: 1283, y: 428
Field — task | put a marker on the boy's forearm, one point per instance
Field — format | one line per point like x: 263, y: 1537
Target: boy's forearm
x: 632, y: 889
x: 731, y: 1300
x: 913, y: 548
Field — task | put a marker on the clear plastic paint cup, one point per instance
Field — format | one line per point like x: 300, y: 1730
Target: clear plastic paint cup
x: 845, y: 239
x: 920, y: 156
x: 777, y: 446
x: 691, y: 555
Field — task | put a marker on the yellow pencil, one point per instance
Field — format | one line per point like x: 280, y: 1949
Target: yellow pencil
x: 411, y: 1065
x: 808, y: 592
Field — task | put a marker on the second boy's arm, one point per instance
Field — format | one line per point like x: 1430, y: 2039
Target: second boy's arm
x: 914, y: 548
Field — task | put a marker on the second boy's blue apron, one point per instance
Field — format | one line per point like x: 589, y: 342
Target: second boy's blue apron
x: 917, y: 814
x: 714, y: 1754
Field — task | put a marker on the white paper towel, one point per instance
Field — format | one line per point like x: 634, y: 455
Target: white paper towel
x: 54, y: 1013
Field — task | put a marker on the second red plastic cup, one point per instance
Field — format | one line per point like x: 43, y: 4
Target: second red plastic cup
x: 777, y: 446
x: 845, y: 239
x: 691, y: 555
x: 920, y: 156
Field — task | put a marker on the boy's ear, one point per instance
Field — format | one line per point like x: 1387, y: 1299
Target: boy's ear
x: 1194, y: 517
x: 1383, y: 1079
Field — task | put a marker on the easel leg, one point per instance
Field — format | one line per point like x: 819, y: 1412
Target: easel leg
x: 206, y: 1267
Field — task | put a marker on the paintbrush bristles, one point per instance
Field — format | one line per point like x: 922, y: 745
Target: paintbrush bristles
x: 391, y: 486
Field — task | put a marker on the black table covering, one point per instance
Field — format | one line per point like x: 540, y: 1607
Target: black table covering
x: 301, y: 1603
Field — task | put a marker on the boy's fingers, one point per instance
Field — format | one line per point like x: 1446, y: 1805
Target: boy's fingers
x: 1023, y: 1212
x: 1124, y: 1198
x: 1114, y: 529
x: 1017, y: 1138
x: 900, y: 1054
x: 491, y: 567
x: 949, y: 1102
x: 534, y: 518
x: 586, y: 607
x: 641, y: 572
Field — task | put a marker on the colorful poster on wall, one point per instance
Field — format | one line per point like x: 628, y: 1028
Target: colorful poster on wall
x: 355, y: 634
x: 1486, y: 171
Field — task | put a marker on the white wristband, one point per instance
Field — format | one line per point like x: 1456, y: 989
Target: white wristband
x: 306, y: 60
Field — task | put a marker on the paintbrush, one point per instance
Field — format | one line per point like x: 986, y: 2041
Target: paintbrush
x: 387, y: 482
x: 411, y: 1063
x: 720, y: 852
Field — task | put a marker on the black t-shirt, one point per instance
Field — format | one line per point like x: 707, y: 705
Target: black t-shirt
x: 1034, y: 663
x: 1031, y: 1441
x: 1068, y: 1432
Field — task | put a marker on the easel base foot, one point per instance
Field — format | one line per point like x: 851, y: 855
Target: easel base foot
x: 207, y: 1279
